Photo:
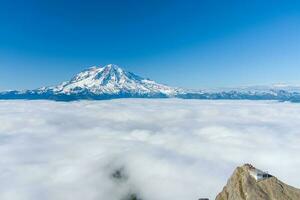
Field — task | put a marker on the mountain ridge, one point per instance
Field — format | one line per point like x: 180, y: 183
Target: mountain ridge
x: 111, y: 81
x: 248, y: 182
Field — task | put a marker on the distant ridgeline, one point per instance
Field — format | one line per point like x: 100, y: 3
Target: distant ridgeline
x: 111, y: 82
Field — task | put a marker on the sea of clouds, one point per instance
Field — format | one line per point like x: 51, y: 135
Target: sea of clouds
x: 162, y: 149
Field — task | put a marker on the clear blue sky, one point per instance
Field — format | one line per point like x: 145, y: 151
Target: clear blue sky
x: 192, y: 44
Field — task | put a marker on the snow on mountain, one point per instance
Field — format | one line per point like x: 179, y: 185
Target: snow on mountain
x: 111, y: 81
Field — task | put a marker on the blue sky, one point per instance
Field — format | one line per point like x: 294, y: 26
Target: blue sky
x: 191, y: 44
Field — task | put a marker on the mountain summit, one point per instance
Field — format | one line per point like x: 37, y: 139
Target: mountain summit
x: 111, y: 80
x: 97, y: 83
x: 250, y: 183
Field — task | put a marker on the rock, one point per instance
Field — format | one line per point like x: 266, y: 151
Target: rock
x: 245, y: 185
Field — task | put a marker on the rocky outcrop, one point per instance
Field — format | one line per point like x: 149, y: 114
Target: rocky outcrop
x: 245, y: 185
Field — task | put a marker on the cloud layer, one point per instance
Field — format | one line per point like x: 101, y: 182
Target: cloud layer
x: 166, y: 149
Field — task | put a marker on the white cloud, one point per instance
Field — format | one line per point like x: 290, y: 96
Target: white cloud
x: 169, y: 149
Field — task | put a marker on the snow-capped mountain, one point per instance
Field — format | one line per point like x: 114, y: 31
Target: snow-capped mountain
x: 105, y: 82
x: 291, y: 94
x: 111, y: 81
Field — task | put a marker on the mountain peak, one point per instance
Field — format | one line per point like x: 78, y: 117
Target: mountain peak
x: 248, y: 182
x: 108, y: 67
x: 111, y: 71
x: 112, y: 80
x: 112, y: 66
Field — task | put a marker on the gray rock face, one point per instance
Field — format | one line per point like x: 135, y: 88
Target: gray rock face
x: 244, y: 185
